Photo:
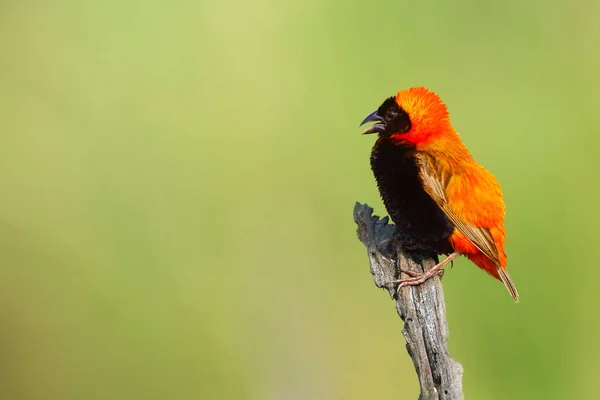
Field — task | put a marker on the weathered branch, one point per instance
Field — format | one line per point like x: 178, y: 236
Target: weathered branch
x: 421, y: 307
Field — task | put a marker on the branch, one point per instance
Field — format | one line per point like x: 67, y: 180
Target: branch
x: 421, y: 307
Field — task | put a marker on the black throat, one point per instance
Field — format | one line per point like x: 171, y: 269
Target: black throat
x: 420, y: 222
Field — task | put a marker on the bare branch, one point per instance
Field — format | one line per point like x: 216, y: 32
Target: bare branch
x: 421, y: 307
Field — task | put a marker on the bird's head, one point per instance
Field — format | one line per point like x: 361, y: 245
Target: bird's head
x: 415, y: 116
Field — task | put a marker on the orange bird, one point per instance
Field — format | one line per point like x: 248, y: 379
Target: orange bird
x: 440, y: 199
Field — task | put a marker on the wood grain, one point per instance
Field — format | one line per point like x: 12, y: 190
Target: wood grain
x: 421, y: 307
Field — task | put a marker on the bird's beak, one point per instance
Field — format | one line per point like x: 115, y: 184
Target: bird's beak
x: 379, y: 126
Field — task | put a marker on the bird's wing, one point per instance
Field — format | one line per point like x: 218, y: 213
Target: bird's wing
x: 436, y: 181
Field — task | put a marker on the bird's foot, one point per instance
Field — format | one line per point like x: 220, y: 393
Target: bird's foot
x: 417, y: 278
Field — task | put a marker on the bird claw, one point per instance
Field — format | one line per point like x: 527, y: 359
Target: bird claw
x: 410, y: 273
x: 415, y: 278
x: 418, y: 278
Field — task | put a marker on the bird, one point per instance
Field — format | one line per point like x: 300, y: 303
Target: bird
x: 440, y: 199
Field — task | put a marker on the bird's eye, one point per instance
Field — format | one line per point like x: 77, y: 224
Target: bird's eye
x: 390, y: 115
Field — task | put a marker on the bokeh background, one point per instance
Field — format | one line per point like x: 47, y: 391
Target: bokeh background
x: 177, y: 184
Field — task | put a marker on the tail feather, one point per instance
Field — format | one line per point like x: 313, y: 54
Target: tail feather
x: 510, y: 286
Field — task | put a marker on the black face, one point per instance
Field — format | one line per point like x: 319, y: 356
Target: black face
x: 389, y: 119
x: 395, y: 119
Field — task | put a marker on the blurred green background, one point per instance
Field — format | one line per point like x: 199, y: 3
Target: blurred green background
x: 178, y: 182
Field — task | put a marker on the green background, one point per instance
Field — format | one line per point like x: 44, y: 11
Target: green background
x: 177, y: 183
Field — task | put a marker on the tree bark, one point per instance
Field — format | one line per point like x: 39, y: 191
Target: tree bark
x: 421, y: 307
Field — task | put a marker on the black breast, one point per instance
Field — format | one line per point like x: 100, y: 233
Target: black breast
x: 420, y: 222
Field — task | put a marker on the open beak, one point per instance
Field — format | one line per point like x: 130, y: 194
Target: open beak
x: 379, y: 126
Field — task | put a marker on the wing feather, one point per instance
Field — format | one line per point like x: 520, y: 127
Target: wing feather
x: 435, y: 181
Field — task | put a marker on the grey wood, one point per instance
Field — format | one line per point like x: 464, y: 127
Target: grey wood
x: 421, y: 307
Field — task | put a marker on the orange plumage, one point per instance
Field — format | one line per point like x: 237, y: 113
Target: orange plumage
x: 414, y: 129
